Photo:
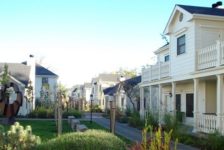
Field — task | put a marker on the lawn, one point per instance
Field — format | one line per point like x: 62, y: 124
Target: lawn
x: 46, y: 129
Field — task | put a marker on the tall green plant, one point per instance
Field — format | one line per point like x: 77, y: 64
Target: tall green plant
x: 5, y: 76
x: 158, y: 140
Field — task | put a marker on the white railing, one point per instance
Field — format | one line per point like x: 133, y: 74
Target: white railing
x: 210, y: 56
x: 207, y: 57
x: 156, y: 72
x: 146, y: 74
x: 164, y: 69
x: 206, y: 123
x: 222, y: 51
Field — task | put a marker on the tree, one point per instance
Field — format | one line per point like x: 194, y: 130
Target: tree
x: 127, y: 73
x: 5, y: 76
x: 132, y: 92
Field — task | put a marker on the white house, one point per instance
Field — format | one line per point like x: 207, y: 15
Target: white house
x: 100, y: 83
x: 28, y: 74
x: 188, y: 76
x: 121, y: 97
x: 80, y: 95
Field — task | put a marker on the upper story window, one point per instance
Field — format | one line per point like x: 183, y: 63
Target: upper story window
x: 181, y: 45
x: 167, y: 58
x: 44, y: 80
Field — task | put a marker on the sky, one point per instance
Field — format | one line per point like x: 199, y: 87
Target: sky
x: 78, y: 39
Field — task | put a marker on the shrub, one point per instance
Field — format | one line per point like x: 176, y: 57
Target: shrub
x: 152, y: 119
x: 96, y: 108
x: 19, y: 138
x: 128, y: 111
x: 42, y: 112
x: 72, y: 112
x: 215, y: 141
x: 135, y: 121
x: 89, y: 140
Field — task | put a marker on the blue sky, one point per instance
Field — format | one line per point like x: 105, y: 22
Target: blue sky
x: 79, y: 39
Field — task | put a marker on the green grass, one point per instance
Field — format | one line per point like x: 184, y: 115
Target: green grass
x: 46, y: 129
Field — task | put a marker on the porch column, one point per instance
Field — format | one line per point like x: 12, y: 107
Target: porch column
x: 160, y: 103
x: 219, y: 103
x: 174, y: 97
x: 196, y: 93
x: 142, y: 108
x: 150, y: 100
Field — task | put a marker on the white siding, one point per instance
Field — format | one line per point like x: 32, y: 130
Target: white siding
x: 52, y: 84
x: 161, y: 56
x: 184, y: 63
x: 208, y: 32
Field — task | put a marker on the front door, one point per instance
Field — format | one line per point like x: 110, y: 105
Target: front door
x: 189, y: 105
x: 178, y: 102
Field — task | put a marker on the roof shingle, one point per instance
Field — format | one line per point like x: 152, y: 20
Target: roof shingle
x: 203, y: 10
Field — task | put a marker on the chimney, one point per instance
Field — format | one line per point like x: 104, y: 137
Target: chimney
x: 32, y: 77
x: 217, y: 4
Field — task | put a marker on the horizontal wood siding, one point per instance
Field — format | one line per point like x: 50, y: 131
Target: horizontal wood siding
x: 184, y: 63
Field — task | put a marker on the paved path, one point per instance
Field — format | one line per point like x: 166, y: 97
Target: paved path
x: 130, y: 133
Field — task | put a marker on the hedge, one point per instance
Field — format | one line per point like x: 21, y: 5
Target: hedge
x: 89, y: 140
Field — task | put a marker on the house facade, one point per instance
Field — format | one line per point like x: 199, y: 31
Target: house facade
x: 45, y: 84
x: 80, y: 95
x: 29, y: 74
x: 125, y: 94
x: 100, y: 83
x: 188, y: 75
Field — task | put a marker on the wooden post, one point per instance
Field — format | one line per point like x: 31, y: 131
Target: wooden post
x: 113, y: 116
x: 59, y: 114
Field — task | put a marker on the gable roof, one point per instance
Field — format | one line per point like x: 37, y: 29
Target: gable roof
x: 194, y: 10
x: 40, y: 70
x: 133, y: 82
x: 19, y: 71
x: 203, y: 10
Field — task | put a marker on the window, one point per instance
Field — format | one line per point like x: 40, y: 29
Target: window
x: 181, y: 45
x: 167, y: 58
x: 44, y: 80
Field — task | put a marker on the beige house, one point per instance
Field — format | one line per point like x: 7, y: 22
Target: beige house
x: 188, y: 75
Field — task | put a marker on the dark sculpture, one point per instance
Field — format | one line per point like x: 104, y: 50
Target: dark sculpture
x: 10, y: 101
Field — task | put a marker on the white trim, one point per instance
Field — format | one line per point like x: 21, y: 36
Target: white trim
x: 176, y: 8
x: 208, y: 17
x: 181, y: 31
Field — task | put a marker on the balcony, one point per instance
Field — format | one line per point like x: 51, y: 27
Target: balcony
x: 156, y: 72
x: 211, y: 56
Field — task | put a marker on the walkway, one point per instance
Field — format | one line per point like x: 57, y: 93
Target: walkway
x: 130, y: 133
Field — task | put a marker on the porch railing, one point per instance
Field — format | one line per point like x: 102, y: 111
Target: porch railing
x: 156, y: 72
x: 210, y: 56
x: 206, y: 123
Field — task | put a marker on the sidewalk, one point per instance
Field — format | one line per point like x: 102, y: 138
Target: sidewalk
x: 130, y: 133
